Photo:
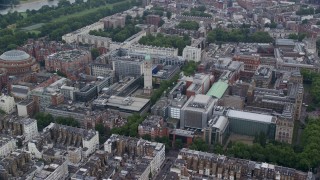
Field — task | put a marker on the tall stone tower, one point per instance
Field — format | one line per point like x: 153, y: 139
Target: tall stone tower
x: 147, y: 75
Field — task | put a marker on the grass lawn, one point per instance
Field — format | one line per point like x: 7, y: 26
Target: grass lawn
x: 85, y: 12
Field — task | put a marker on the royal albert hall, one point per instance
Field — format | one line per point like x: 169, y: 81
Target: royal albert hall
x: 17, y: 62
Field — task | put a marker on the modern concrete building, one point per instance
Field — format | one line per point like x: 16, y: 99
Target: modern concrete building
x: 197, y: 111
x: 125, y: 66
x: 218, y: 130
x: 251, y: 124
x: 128, y: 105
x: 25, y: 108
x: 197, y: 84
x: 176, y: 106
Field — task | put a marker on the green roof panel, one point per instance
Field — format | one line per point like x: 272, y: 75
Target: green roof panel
x: 218, y: 89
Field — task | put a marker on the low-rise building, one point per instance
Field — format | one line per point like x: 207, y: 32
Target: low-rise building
x: 56, y: 170
x: 17, y: 126
x: 151, y: 50
x: 146, y: 157
x: 209, y: 165
x: 7, y: 145
x: 128, y: 105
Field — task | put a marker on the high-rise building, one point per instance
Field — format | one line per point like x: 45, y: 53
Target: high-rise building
x: 147, y: 75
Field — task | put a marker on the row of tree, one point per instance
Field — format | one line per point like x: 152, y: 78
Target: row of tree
x: 197, y: 11
x: 189, y: 25
x: 313, y: 79
x: 131, y: 128
x: 56, y: 29
x: 307, y: 11
x: 238, y: 35
x: 299, y: 36
x: 47, y: 13
x: 117, y: 34
x: 10, y: 39
x: 44, y: 119
x: 166, y: 41
x: 304, y: 157
x: 189, y: 68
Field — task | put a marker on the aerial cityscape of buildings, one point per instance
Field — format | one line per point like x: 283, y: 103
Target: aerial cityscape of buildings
x: 173, y: 100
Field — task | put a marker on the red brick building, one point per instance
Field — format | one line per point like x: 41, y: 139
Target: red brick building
x: 70, y: 63
x: 153, y: 19
x: 3, y: 78
x: 153, y: 126
x: 251, y: 62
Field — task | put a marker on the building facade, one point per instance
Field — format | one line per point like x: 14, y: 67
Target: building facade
x: 192, y: 53
x: 7, y: 104
x: 197, y: 111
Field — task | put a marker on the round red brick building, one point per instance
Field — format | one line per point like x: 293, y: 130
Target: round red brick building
x: 17, y: 62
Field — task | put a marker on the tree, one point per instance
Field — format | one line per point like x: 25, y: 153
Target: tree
x: 189, y: 68
x: 146, y: 137
x: 199, y: 145
x: 262, y: 139
x: 178, y: 144
x: 169, y: 14
x: 95, y: 53
x: 68, y: 121
x: 305, y: 21
x: 166, y: 41
x: 104, y: 133
x: 43, y: 120
x: 189, y: 25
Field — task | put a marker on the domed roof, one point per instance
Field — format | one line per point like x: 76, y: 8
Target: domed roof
x: 14, y: 55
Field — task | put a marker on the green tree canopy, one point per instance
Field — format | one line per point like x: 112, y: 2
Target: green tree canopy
x: 68, y: 121
x: 43, y: 120
x: 189, y: 25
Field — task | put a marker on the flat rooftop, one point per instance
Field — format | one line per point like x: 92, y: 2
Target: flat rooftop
x: 201, y: 99
x: 127, y: 103
x: 250, y: 116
